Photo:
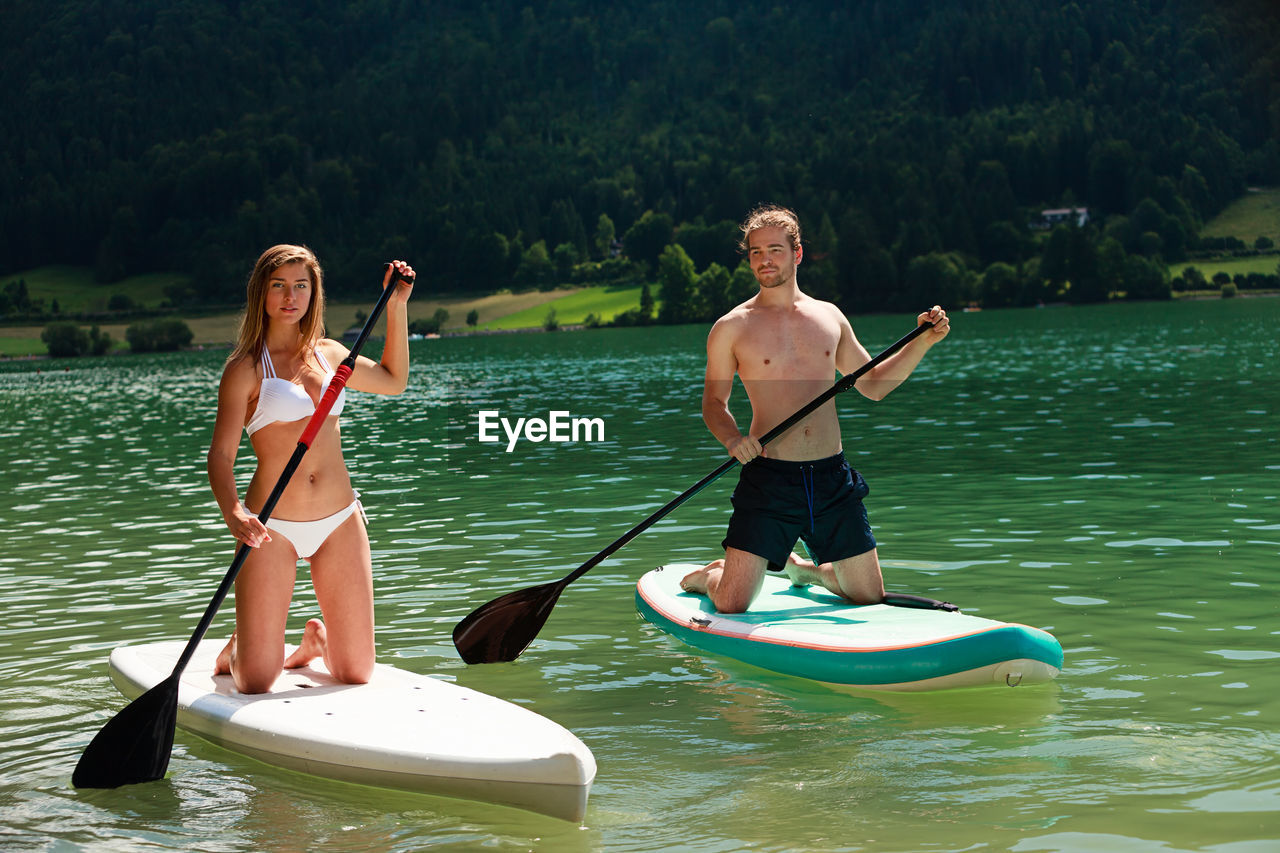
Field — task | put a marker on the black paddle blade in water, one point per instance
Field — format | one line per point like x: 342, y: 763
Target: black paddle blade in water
x: 499, y: 631
x: 134, y: 745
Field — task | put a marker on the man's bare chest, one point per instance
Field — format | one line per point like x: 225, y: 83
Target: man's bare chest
x: 793, y: 347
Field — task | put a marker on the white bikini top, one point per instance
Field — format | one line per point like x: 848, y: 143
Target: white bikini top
x: 280, y: 400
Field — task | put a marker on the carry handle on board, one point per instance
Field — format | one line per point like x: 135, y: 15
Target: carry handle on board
x: 502, y: 629
x: 135, y: 744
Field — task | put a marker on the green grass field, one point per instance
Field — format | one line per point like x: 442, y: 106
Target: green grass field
x: 75, y: 291
x: 1256, y: 214
x: 1231, y: 266
x: 605, y: 302
x: 20, y: 346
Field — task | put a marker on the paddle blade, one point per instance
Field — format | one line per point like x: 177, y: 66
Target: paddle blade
x: 499, y: 631
x: 135, y: 744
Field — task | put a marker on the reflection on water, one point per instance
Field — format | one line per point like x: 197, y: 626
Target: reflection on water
x: 1108, y: 474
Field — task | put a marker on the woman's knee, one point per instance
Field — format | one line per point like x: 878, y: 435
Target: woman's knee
x: 351, y: 668
x: 256, y: 673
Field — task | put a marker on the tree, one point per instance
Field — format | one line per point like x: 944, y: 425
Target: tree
x: 993, y: 199
x: 118, y: 253
x: 564, y: 259
x: 646, y: 304
x: 1070, y: 264
x: 677, y: 280
x: 999, y: 288
x: 645, y: 240
x: 1111, y: 263
x: 1194, y: 279
x: 713, y: 293
x: 934, y: 279
x: 65, y: 340
x: 17, y: 298
x: 535, y: 268
x: 99, y: 341
x: 1003, y: 241
x: 709, y: 244
x: 820, y: 265
x: 604, y: 237
x: 164, y: 335
x: 1111, y: 170
x: 1146, y: 279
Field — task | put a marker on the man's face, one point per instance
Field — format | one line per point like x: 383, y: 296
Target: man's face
x: 771, y: 257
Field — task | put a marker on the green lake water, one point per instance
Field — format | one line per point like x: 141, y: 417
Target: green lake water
x: 1111, y: 474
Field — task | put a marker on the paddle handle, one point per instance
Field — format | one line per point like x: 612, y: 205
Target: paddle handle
x: 327, y: 400
x: 843, y: 384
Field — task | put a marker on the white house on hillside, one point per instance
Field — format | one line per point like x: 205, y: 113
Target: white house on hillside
x: 1059, y: 215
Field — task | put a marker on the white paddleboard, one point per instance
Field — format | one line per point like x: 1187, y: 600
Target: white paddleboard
x: 401, y: 730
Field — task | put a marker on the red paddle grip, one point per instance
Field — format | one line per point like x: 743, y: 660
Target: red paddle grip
x: 331, y: 393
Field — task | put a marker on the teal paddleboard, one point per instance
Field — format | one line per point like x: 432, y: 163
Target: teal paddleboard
x: 811, y: 633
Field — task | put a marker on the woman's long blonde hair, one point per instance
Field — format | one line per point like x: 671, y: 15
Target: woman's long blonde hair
x: 253, y: 324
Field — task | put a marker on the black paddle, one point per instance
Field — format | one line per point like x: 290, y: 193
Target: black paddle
x: 135, y: 744
x: 500, y: 630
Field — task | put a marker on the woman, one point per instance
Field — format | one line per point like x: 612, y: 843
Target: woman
x: 270, y: 387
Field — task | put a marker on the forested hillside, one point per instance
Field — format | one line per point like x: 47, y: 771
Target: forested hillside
x: 499, y: 142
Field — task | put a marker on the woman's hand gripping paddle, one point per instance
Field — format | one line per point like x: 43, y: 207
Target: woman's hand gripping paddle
x: 135, y: 744
x: 500, y: 630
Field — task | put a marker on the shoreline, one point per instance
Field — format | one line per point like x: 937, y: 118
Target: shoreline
x: 34, y: 331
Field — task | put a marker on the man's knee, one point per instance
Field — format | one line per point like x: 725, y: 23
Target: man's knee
x: 860, y: 578
x: 730, y: 602
x: 739, y: 582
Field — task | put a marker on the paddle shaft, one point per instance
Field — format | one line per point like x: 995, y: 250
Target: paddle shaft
x: 330, y: 397
x: 843, y: 384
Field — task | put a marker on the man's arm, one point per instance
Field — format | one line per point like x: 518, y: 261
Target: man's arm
x: 722, y: 365
x: 876, y: 384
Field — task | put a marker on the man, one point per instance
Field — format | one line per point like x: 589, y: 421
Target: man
x: 787, y: 347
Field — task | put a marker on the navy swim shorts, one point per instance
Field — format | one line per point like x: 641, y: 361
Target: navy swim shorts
x: 777, y: 502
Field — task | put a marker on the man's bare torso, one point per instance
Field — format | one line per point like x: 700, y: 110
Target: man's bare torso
x: 786, y: 356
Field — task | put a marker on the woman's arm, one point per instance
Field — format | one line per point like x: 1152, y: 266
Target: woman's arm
x: 234, y: 392
x: 390, y: 375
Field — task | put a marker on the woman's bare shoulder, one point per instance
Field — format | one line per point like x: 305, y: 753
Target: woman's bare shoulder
x: 240, y: 371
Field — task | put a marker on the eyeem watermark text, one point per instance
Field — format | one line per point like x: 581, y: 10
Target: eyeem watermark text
x: 558, y: 426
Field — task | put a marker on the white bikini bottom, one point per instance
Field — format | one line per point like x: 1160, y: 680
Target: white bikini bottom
x: 307, y: 536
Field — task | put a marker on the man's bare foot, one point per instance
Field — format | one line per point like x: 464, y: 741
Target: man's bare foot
x: 312, y: 646
x: 696, y: 580
x: 222, y: 666
x: 802, y: 572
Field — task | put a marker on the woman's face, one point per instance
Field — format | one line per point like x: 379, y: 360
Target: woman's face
x: 288, y: 293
